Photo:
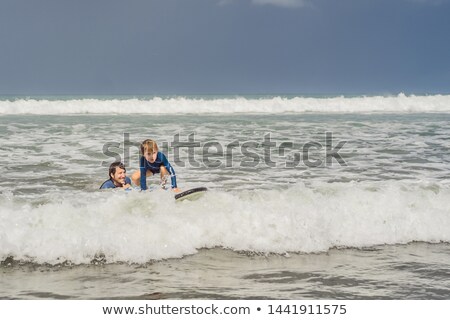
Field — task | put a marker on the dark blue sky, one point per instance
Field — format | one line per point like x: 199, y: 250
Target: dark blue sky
x: 224, y: 46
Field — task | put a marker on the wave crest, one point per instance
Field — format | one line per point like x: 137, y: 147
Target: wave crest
x: 185, y: 105
x: 139, y: 227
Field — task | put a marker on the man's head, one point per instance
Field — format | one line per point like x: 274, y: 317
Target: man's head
x: 117, y: 173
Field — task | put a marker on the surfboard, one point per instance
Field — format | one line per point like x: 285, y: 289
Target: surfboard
x: 191, y: 194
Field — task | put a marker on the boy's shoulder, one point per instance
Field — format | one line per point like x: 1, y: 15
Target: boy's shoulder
x: 160, y: 155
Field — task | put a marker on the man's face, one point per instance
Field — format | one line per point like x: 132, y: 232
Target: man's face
x: 119, y: 176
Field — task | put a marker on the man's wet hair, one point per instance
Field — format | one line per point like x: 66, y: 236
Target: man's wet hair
x: 114, y: 166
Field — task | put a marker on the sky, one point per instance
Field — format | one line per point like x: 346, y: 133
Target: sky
x: 190, y: 47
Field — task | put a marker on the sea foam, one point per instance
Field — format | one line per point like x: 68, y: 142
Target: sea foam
x: 138, y: 227
x: 186, y: 105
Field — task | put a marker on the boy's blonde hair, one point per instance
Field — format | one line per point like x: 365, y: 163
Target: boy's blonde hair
x: 148, y: 145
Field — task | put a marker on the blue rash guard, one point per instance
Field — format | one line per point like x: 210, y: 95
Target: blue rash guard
x: 155, y: 167
x: 109, y: 184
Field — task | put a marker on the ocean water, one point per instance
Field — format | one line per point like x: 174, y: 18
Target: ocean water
x: 309, y: 198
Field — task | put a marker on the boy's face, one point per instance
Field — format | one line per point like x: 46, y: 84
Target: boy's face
x: 150, y: 155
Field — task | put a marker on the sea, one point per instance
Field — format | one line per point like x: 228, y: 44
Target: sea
x: 309, y: 197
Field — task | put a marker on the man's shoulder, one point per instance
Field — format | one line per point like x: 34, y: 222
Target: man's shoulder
x: 108, y: 184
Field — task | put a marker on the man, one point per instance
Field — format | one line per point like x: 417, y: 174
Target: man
x: 117, y: 177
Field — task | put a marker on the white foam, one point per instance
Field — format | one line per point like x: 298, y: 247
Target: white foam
x: 183, y: 105
x: 138, y: 227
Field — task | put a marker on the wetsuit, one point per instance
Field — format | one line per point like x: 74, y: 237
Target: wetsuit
x: 155, y: 167
x: 109, y: 184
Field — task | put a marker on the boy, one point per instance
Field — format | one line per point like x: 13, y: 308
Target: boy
x: 152, y: 161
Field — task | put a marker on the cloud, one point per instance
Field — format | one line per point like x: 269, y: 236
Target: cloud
x: 282, y: 3
x: 278, y: 3
x: 304, y: 3
x: 430, y: 2
x: 225, y: 2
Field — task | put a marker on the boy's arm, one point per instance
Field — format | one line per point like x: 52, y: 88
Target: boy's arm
x: 143, y: 171
x: 173, y: 177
